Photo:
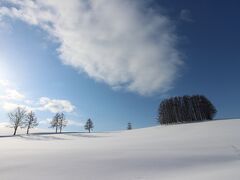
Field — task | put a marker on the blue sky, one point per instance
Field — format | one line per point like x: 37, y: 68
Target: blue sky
x: 116, y: 67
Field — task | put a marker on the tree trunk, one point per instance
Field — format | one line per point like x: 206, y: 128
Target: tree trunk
x: 89, y: 130
x: 15, y: 130
x: 56, y: 129
x: 28, y: 128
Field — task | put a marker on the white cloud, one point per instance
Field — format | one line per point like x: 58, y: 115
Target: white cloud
x: 118, y: 42
x: 8, y: 92
x: 55, y: 105
x: 10, y: 106
x: 12, y: 94
x: 11, y: 99
x: 44, y: 104
x: 4, y: 83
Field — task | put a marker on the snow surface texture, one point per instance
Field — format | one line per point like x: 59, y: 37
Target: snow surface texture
x: 198, y: 151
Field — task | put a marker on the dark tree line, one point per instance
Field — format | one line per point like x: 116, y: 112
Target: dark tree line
x: 185, y: 109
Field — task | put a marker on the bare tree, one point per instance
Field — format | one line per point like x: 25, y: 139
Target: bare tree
x: 30, y: 121
x: 62, y: 122
x: 17, y: 118
x: 89, y: 125
x: 55, y: 122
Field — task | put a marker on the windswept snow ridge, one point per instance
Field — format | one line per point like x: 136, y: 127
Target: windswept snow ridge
x: 199, y: 151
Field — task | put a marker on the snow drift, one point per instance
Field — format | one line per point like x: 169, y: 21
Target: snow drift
x: 209, y: 150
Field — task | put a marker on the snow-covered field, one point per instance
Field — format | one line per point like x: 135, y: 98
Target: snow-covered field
x: 198, y: 151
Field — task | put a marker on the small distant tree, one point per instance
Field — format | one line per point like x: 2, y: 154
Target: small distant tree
x: 55, y: 122
x: 129, y: 127
x: 17, y: 118
x: 30, y: 121
x: 62, y: 122
x: 89, y: 125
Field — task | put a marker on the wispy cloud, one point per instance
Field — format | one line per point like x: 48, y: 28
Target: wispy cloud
x: 10, y: 106
x: 55, y: 105
x: 119, y: 42
x: 8, y: 92
x: 186, y: 15
x: 44, y: 104
x: 4, y: 83
x: 12, y: 94
x: 11, y: 99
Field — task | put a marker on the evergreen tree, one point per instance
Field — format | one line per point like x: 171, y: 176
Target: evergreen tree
x: 89, y: 125
x: 129, y: 127
x: 185, y: 109
x: 30, y: 121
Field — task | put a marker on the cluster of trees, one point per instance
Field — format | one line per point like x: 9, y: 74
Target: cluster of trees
x: 20, y: 118
x: 23, y: 119
x: 58, y: 122
x: 185, y: 109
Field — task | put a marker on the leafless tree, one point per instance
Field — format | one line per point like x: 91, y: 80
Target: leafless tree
x: 62, y: 122
x: 55, y: 122
x: 17, y: 118
x: 30, y: 121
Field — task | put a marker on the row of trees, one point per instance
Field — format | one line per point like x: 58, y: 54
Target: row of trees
x: 59, y: 122
x: 179, y: 109
x: 20, y: 118
x: 185, y: 109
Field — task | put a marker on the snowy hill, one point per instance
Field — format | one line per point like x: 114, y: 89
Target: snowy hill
x: 198, y: 151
